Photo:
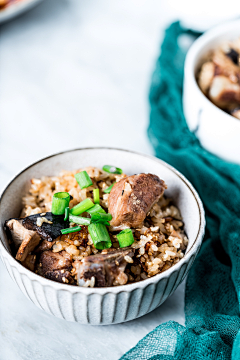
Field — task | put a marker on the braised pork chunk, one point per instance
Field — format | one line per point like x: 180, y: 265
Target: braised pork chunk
x: 131, y: 199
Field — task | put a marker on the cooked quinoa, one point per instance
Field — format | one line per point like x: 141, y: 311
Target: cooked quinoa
x: 159, y: 243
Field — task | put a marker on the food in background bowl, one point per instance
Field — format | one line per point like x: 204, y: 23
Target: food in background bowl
x: 219, y: 77
x: 6, y: 3
x: 12, y: 8
x: 3, y: 3
x: 98, y: 228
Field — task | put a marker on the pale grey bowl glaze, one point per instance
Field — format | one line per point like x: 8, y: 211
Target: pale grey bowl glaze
x: 112, y: 305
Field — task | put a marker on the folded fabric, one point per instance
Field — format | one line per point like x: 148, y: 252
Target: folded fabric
x: 213, y: 285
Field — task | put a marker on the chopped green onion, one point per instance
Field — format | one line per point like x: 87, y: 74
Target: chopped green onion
x: 70, y: 230
x: 99, y: 218
x: 66, y: 213
x: 59, y: 202
x: 106, y: 223
x: 100, y: 236
x: 112, y: 169
x: 83, y: 179
x: 82, y: 207
x: 96, y: 196
x: 79, y: 220
x: 125, y: 238
x: 107, y: 190
x: 96, y: 209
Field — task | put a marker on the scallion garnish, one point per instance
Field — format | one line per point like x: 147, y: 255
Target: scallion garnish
x: 83, y: 179
x: 59, y: 203
x: 82, y: 207
x: 112, y: 169
x: 79, y: 220
x: 70, y: 230
x: 66, y: 213
x: 125, y: 238
x: 100, y: 236
x: 100, y: 218
x: 96, y: 209
x: 107, y: 190
x: 96, y: 196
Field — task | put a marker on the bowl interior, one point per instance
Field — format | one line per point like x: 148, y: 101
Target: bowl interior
x: 179, y: 188
x: 212, y: 40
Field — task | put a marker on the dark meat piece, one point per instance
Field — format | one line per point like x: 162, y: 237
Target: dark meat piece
x: 225, y: 66
x: 50, y: 261
x: 132, y: 197
x: 47, y: 231
x: 44, y: 245
x: 107, y: 268
x: 62, y: 276
x: 234, y: 56
x: 25, y: 240
x: 224, y: 93
x: 55, y: 266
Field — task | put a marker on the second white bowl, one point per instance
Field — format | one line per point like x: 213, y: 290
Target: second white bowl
x: 217, y: 131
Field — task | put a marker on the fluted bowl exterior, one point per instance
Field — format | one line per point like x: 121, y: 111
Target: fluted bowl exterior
x: 111, y: 305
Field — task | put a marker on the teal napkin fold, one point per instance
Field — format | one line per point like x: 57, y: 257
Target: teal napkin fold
x: 213, y: 286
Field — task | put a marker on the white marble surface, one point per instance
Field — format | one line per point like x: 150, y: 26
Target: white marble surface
x: 75, y: 73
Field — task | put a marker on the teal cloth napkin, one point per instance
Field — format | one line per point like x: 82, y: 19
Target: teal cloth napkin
x: 213, y: 286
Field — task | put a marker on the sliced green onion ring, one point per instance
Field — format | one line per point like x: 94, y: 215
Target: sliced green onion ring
x: 66, y: 213
x: 108, y: 190
x: 96, y: 196
x: 83, y: 179
x: 112, y: 169
x: 100, y: 218
x: 70, y: 230
x: 82, y: 207
x: 96, y: 209
x: 59, y: 202
x: 125, y: 238
x: 79, y: 220
x: 100, y: 236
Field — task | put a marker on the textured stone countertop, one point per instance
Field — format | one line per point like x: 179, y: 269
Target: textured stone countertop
x: 73, y: 74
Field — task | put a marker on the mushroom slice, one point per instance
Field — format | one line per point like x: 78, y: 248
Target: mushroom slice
x: 48, y: 226
x: 27, y: 239
x: 29, y: 262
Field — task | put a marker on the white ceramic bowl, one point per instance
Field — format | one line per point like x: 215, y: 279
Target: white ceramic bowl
x: 217, y: 131
x: 112, y: 304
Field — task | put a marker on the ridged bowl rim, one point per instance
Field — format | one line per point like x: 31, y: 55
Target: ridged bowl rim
x: 122, y: 288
